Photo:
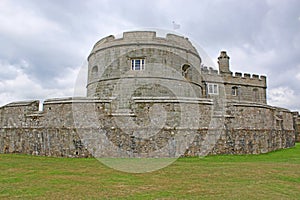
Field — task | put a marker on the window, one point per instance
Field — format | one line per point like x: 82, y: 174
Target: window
x: 137, y: 64
x: 255, y: 95
x: 94, y: 71
x: 212, y: 88
x: 185, y: 69
x: 235, y: 91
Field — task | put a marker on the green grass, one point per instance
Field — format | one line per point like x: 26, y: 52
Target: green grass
x: 275, y: 175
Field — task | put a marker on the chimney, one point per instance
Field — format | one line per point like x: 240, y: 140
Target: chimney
x: 223, y: 61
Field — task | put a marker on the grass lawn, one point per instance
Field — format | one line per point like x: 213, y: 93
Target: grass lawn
x: 273, y: 176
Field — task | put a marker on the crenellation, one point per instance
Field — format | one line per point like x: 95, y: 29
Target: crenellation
x: 238, y: 74
x: 174, y: 37
x: 251, y: 78
x: 139, y: 35
x: 149, y: 38
x: 255, y: 76
x: 173, y: 89
x: 214, y: 71
x: 246, y: 75
x: 263, y: 78
x: 209, y: 70
x: 247, y: 79
x: 105, y: 40
x: 204, y: 70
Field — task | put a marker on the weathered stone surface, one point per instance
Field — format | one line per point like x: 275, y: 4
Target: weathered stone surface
x: 248, y: 129
x: 164, y: 110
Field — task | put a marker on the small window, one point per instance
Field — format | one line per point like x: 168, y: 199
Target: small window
x: 137, y: 64
x: 234, y: 91
x: 255, y: 95
x: 94, y: 71
x: 185, y: 69
x: 213, y: 88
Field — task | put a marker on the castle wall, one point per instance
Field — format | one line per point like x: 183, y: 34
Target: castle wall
x: 19, y: 114
x: 256, y: 128
x: 72, y: 127
x: 249, y: 87
x: 251, y: 129
x: 169, y: 108
x: 297, y: 125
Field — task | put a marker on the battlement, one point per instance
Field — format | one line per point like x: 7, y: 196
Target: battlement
x: 246, y: 78
x: 145, y: 38
x: 139, y: 35
x: 237, y: 78
x: 105, y: 40
x: 249, y: 76
x: 208, y: 70
x: 131, y: 79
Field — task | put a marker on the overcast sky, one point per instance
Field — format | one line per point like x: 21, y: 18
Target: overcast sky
x: 43, y: 44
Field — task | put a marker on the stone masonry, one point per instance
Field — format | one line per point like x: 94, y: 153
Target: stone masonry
x: 150, y: 96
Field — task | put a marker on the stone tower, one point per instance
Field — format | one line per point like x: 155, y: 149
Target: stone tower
x: 140, y: 64
x: 149, y: 96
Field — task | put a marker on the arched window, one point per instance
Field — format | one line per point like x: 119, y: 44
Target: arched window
x: 94, y: 72
x: 185, y: 68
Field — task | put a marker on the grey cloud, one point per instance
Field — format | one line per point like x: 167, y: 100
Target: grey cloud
x: 56, y: 36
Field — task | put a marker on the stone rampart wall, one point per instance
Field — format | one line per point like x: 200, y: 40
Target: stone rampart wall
x: 72, y: 127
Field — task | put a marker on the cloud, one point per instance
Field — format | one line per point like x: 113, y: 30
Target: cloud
x: 24, y: 22
x: 283, y: 96
x: 20, y: 86
x: 44, y: 44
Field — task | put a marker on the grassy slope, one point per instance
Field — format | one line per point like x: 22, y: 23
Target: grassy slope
x: 274, y: 175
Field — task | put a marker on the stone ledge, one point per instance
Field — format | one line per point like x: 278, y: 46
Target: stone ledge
x: 123, y: 113
x: 21, y: 103
x: 255, y: 104
x: 78, y: 100
x: 96, y: 81
x: 35, y: 114
x: 172, y: 100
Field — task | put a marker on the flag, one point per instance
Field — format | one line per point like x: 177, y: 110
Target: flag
x: 176, y: 26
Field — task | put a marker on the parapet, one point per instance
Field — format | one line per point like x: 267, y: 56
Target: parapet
x: 208, y: 70
x: 246, y: 75
x: 250, y: 78
x: 105, y: 40
x: 22, y: 103
x: 145, y: 38
x: 238, y: 77
x: 139, y: 35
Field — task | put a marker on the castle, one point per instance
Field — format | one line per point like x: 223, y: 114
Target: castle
x: 150, y: 96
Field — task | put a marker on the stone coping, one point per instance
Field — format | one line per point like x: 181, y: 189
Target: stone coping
x: 172, y: 100
x: 133, y: 76
x: 145, y: 100
x: 255, y: 104
x: 21, y: 103
x: 78, y: 100
x: 88, y: 128
x: 143, y: 38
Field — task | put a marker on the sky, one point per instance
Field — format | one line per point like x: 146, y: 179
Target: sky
x: 44, y: 44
